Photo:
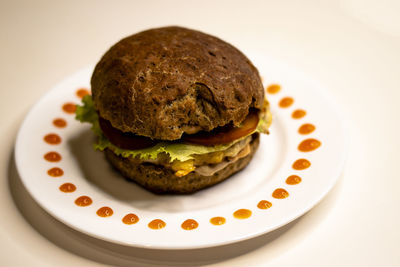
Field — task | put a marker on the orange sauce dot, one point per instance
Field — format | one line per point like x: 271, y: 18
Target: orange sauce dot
x: 55, y: 172
x: 105, y: 212
x: 264, y: 204
x: 301, y: 164
x: 157, y: 224
x: 67, y: 188
x: 242, y: 214
x: 306, y: 128
x: 293, y: 179
x: 280, y: 193
x: 217, y: 220
x: 52, y: 139
x: 286, y: 102
x: 273, y: 88
x: 83, y: 201
x: 81, y: 92
x: 59, y: 123
x: 298, y: 114
x: 52, y: 156
x: 309, y: 145
x: 189, y: 224
x: 69, y: 108
x: 130, y: 219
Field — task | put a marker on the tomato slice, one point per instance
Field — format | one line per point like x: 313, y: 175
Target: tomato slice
x: 125, y: 140
x: 218, y: 136
x: 226, y: 134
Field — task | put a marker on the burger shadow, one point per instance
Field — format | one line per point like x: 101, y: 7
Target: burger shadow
x: 271, y: 245
x: 97, y: 170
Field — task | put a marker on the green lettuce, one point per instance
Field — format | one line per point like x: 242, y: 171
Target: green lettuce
x: 175, y: 151
x: 264, y: 123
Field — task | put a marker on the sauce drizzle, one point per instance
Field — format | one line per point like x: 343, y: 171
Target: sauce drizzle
x: 301, y: 164
x: 242, y: 214
x: 189, y: 224
x: 280, y: 193
x: 105, y: 212
x: 69, y: 108
x: 273, y: 88
x: 130, y: 219
x: 157, y: 224
x: 217, y: 220
x: 59, y: 123
x: 286, y: 102
x: 67, y: 188
x: 83, y: 201
x: 293, y: 179
x: 55, y: 172
x: 82, y: 92
x: 264, y: 204
x: 52, y: 139
x: 309, y: 145
x: 52, y: 156
x: 306, y: 128
x: 298, y: 114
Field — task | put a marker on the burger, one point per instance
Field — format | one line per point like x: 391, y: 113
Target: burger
x: 176, y: 110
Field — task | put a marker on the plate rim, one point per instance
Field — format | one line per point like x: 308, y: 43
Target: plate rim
x: 340, y: 168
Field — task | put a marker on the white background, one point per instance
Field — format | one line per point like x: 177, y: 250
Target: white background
x: 352, y: 47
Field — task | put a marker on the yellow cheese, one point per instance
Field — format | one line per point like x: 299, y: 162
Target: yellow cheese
x: 183, y: 168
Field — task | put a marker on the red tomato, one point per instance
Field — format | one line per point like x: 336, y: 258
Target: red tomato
x: 225, y: 135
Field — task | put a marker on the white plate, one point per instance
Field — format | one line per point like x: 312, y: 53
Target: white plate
x: 92, y: 175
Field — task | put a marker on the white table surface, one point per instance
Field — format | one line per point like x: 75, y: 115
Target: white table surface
x: 352, y: 47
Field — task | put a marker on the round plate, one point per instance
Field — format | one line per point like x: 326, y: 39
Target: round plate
x: 85, y: 172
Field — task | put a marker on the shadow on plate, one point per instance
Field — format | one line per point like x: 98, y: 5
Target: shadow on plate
x: 273, y: 243
x: 101, y: 174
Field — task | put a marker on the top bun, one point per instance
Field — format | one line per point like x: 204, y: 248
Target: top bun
x: 164, y: 82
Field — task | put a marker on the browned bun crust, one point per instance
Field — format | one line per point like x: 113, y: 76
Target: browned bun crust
x: 158, y: 179
x: 163, y: 82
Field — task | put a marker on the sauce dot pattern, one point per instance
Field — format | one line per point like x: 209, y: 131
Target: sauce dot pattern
x: 54, y: 139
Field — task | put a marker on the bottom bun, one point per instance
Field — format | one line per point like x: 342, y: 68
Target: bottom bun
x: 159, y: 179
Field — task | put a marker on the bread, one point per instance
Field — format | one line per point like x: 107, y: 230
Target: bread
x: 164, y: 82
x: 176, y: 110
x: 158, y: 179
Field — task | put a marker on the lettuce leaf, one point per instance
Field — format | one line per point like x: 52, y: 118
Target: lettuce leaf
x: 264, y: 123
x: 87, y: 113
x: 176, y: 151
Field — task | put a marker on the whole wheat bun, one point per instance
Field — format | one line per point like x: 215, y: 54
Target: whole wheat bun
x: 160, y: 180
x: 164, y: 82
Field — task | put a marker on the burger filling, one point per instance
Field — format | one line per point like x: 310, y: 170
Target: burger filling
x: 202, y: 152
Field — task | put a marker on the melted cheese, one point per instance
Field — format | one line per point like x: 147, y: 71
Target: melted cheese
x: 208, y: 170
x: 204, y: 160
x: 183, y: 168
